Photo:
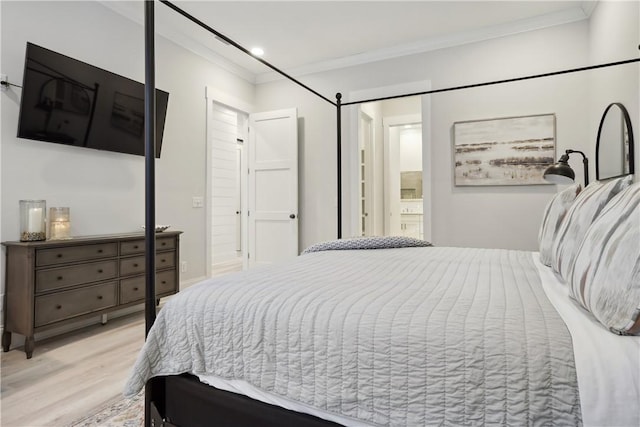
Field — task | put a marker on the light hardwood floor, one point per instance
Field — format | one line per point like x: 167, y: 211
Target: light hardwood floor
x: 70, y: 376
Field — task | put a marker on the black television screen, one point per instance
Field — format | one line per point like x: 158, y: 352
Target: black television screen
x: 70, y: 102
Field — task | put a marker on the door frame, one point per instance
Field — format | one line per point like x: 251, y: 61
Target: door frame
x: 351, y: 154
x: 228, y: 101
x: 387, y: 124
x: 369, y: 178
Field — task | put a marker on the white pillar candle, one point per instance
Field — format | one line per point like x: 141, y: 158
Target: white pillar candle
x: 34, y: 220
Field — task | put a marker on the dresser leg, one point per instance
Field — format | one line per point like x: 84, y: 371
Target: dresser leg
x: 29, y: 345
x: 103, y: 319
x: 6, y: 340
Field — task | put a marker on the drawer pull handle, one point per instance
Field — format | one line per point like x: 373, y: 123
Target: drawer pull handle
x: 100, y: 271
x: 59, y: 255
x: 58, y: 307
x: 99, y: 296
x: 164, y: 282
x: 135, y: 265
x: 164, y: 243
x: 135, y: 289
x: 163, y: 260
x: 59, y: 277
x: 99, y: 251
x: 135, y: 247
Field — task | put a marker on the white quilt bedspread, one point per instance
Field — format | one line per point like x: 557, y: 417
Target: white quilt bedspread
x: 412, y: 336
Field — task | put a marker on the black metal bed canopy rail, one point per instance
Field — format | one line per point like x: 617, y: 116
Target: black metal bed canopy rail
x: 227, y: 40
x: 496, y: 82
x: 339, y: 104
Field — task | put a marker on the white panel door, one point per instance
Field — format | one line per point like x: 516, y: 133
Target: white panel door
x: 273, y: 186
x: 225, y: 183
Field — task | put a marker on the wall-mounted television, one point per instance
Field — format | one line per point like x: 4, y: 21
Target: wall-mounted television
x: 70, y: 102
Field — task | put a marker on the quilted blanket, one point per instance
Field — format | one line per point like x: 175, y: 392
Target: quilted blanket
x: 401, y: 337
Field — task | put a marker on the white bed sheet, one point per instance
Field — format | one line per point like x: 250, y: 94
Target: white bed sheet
x: 607, y: 365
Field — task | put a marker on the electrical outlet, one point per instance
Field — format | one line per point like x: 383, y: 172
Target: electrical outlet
x: 183, y: 266
x: 197, y: 202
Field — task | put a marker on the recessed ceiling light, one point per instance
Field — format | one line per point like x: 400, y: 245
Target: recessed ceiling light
x: 257, y: 51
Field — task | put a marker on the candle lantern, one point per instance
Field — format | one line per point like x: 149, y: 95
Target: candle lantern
x: 32, y: 220
x: 59, y: 224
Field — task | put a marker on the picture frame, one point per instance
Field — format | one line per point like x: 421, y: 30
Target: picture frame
x: 504, y: 151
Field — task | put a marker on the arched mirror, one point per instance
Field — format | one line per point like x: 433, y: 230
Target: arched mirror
x: 614, y: 147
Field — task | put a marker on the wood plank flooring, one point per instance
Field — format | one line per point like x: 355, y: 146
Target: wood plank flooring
x: 73, y: 375
x: 69, y: 376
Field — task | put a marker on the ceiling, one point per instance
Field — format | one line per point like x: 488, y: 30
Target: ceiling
x: 301, y: 37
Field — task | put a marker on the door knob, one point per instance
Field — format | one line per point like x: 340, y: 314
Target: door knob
x: 292, y: 216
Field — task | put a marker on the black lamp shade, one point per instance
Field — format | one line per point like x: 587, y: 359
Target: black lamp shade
x: 560, y: 173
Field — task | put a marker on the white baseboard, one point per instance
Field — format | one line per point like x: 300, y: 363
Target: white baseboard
x: 184, y: 284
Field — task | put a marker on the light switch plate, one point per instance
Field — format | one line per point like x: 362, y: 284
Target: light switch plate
x: 198, y: 202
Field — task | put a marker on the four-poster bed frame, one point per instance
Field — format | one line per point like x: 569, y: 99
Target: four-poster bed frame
x: 182, y: 400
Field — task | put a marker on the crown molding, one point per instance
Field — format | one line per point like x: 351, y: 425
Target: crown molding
x: 181, y: 39
x: 581, y: 12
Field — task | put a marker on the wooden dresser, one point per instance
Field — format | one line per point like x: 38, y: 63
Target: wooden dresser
x: 50, y: 283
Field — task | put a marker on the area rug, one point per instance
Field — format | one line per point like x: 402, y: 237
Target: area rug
x: 120, y: 412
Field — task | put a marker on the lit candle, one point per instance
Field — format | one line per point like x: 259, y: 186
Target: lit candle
x: 60, y: 229
x: 34, y: 220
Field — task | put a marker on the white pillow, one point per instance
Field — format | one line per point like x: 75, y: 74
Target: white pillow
x: 605, y: 278
x: 581, y: 214
x: 554, y: 213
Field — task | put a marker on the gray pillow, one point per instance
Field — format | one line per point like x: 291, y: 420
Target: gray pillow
x: 581, y: 214
x: 605, y: 278
x: 373, y: 242
x: 552, y: 218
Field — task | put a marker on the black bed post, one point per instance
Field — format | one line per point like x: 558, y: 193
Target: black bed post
x: 339, y: 165
x: 150, y: 152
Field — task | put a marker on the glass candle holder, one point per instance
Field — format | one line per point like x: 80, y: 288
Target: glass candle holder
x: 59, y: 224
x: 32, y: 220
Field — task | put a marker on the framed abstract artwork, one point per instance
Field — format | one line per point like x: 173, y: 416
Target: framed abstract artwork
x: 504, y: 151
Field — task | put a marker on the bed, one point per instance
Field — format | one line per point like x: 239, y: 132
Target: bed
x: 402, y: 336
x: 364, y: 333
x: 392, y: 331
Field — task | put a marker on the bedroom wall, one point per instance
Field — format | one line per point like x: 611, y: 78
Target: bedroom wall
x: 609, y: 43
x: 502, y: 217
x: 105, y: 190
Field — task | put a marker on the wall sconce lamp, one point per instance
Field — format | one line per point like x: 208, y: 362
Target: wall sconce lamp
x: 561, y: 172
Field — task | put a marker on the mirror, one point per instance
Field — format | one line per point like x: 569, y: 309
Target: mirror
x: 614, y: 146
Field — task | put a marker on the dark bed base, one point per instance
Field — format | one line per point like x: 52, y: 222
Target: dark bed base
x: 183, y: 401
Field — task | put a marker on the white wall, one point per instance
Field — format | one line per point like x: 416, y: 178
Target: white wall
x: 105, y: 190
x: 410, y: 149
x: 506, y: 217
x: 609, y: 43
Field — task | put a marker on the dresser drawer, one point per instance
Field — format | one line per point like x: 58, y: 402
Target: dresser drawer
x: 56, y: 278
x: 135, y: 265
x: 133, y: 289
x: 64, y: 255
x: 137, y: 246
x: 68, y: 304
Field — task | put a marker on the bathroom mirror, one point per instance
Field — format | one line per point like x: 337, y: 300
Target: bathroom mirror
x: 614, y: 146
